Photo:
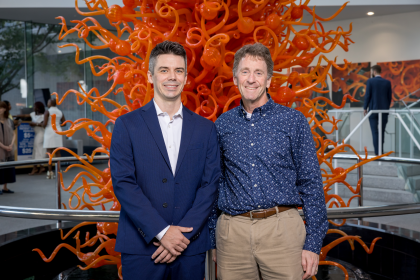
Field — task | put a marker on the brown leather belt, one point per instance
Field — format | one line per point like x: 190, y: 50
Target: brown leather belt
x: 265, y: 213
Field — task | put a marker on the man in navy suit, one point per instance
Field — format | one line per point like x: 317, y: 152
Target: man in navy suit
x: 165, y: 168
x: 378, y: 97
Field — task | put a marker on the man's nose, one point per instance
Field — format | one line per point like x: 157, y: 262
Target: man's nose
x: 251, y: 78
x: 172, y: 75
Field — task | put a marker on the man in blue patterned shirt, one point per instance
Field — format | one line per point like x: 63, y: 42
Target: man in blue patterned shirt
x: 269, y: 167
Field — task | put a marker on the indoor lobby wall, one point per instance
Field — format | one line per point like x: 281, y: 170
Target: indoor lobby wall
x: 378, y: 39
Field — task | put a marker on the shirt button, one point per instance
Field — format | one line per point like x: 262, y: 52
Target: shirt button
x: 259, y: 206
x: 252, y: 124
x: 164, y: 180
x: 252, y: 144
x: 255, y: 186
x: 264, y: 115
x: 253, y: 164
x: 165, y: 205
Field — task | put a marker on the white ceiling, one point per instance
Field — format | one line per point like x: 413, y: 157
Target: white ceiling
x: 48, y: 15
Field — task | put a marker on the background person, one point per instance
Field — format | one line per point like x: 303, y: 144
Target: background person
x: 269, y: 167
x: 52, y: 140
x: 37, y: 119
x: 378, y: 97
x: 7, y: 140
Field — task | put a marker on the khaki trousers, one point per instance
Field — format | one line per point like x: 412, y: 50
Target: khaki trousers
x: 271, y: 248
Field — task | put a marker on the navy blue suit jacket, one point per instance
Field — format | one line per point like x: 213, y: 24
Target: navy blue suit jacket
x: 378, y: 94
x: 151, y: 197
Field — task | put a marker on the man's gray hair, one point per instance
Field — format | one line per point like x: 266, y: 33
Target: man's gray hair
x: 257, y: 50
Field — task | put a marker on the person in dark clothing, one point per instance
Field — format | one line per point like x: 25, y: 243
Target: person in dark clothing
x: 378, y: 97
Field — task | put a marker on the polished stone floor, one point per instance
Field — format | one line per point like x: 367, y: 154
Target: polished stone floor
x: 38, y: 192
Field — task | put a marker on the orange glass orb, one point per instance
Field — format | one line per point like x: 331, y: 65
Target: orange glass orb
x: 273, y: 21
x: 114, y: 13
x: 123, y: 48
x: 285, y: 94
x: 212, y: 56
x: 208, y: 13
x: 297, y: 12
x: 301, y: 43
x: 246, y: 25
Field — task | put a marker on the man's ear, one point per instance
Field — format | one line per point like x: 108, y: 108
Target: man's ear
x: 149, y: 77
x: 269, y: 82
x: 235, y: 81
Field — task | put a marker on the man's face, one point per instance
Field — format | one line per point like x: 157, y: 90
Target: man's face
x: 252, y: 78
x: 169, y: 76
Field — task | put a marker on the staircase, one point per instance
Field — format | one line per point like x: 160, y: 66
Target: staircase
x: 387, y: 183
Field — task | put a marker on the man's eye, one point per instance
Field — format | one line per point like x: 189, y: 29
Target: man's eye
x: 180, y: 71
x: 245, y: 72
x: 259, y: 73
x: 163, y: 71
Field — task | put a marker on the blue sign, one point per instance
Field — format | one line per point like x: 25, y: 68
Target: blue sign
x: 25, y: 141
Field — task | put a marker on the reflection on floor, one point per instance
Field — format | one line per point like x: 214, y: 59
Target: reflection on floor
x: 106, y: 272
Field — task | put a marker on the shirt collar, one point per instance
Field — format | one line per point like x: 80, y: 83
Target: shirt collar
x: 261, y: 110
x: 160, y: 112
x: 377, y: 76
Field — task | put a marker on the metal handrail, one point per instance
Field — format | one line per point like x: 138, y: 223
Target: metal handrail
x: 46, y: 160
x: 113, y: 216
x: 380, y: 112
x: 73, y: 159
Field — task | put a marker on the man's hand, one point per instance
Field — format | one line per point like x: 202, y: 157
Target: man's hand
x: 174, y: 241
x: 213, y: 255
x: 365, y: 112
x: 162, y: 255
x: 310, y: 262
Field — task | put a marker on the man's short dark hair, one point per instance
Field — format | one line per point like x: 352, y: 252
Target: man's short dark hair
x: 377, y: 69
x: 166, y: 47
x: 257, y: 50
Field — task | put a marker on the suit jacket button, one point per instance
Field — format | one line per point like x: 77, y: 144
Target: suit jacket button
x: 165, y: 205
x: 164, y: 180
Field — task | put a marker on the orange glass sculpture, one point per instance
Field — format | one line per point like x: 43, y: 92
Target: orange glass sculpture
x: 211, y: 32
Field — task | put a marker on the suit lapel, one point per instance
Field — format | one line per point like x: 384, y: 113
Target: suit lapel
x: 188, y: 123
x: 151, y: 119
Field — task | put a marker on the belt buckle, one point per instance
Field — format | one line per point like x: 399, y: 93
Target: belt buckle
x: 256, y: 211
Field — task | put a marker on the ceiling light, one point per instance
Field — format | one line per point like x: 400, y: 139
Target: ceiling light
x: 370, y: 13
x: 59, y: 51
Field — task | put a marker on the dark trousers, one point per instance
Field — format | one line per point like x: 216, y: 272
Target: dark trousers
x: 374, y: 123
x: 140, y: 267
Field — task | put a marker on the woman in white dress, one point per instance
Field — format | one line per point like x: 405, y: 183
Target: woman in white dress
x: 37, y: 119
x: 52, y: 140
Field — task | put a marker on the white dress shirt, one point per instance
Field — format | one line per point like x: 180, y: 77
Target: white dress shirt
x: 171, y: 132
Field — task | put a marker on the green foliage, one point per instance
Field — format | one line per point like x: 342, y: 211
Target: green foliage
x: 12, y: 49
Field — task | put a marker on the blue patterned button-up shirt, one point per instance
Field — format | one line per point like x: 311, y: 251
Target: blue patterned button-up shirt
x: 270, y: 160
